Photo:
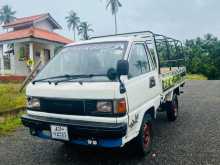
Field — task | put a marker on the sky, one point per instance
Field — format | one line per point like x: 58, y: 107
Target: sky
x: 180, y: 19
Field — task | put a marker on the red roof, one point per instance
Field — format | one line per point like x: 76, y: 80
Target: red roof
x: 25, y: 20
x: 34, y: 33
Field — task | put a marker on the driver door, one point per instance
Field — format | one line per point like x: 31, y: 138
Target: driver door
x: 142, y: 84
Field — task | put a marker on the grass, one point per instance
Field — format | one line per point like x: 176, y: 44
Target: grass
x: 10, y: 97
x: 196, y: 77
x: 9, y: 124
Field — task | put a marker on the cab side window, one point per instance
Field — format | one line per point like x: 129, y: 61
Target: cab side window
x: 138, y: 61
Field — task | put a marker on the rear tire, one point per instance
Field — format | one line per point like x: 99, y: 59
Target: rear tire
x: 143, y: 141
x: 172, y: 108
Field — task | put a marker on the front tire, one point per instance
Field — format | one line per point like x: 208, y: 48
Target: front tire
x: 172, y: 108
x: 143, y: 142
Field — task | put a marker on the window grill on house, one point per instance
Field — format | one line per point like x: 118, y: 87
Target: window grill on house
x: 7, y: 62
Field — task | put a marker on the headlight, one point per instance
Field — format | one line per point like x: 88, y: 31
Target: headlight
x: 104, y: 106
x: 33, y: 103
x: 116, y: 107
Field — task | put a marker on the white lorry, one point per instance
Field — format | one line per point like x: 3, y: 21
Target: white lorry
x: 105, y: 91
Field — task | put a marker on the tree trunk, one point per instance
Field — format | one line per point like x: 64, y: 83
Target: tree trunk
x: 116, y: 26
x: 74, y: 34
x: 85, y: 35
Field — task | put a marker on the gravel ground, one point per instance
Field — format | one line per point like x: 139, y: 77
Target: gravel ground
x: 193, y: 139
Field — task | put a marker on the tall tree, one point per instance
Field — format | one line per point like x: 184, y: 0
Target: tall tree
x: 84, y: 29
x: 114, y: 5
x: 6, y: 14
x: 203, y: 56
x: 72, y: 22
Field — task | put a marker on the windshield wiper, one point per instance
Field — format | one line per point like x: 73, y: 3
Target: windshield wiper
x: 48, y: 78
x: 73, y: 77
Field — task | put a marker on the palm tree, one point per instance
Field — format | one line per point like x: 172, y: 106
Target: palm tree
x: 84, y: 29
x: 6, y: 14
x: 114, y: 5
x: 72, y: 22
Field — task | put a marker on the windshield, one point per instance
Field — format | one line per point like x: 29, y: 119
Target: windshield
x: 95, y: 58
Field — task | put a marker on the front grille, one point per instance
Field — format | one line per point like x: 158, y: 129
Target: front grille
x: 66, y: 107
x: 74, y: 107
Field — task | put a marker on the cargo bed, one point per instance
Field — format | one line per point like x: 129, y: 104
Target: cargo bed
x: 171, y: 77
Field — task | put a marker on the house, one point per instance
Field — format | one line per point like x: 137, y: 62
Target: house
x: 27, y: 41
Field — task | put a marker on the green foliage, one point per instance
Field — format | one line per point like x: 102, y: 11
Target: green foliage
x: 9, y: 124
x: 203, y: 56
x: 72, y: 22
x: 10, y: 98
x: 6, y: 14
x: 84, y: 29
x: 114, y: 6
x: 21, y: 53
x: 195, y: 77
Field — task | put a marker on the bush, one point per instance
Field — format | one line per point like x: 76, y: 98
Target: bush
x: 196, y: 77
x: 9, y: 124
x: 10, y: 97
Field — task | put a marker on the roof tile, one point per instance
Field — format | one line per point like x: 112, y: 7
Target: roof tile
x: 24, y: 20
x: 35, y: 33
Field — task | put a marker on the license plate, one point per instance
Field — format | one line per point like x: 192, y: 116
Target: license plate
x: 59, y: 132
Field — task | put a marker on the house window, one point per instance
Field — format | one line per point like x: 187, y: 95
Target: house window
x: 21, y: 54
x: 7, y: 62
x: 46, y: 56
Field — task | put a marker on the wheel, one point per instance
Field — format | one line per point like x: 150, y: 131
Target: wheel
x: 143, y: 142
x: 172, y: 108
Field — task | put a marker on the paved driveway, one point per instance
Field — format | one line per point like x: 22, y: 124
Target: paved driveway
x: 193, y: 139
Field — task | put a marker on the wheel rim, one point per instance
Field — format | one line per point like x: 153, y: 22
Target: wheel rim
x: 146, y: 135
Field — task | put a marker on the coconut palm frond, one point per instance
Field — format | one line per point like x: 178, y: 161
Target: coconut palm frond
x: 119, y: 4
x: 72, y: 21
x: 114, y: 5
x: 108, y: 4
x: 6, y: 14
x: 83, y: 29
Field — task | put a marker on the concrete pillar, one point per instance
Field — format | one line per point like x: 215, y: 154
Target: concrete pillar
x: 52, y: 47
x: 5, y: 48
x: 31, y: 54
x: 12, y: 59
x: 42, y: 56
x: 1, y: 60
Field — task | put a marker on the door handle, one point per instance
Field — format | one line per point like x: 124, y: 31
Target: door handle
x: 152, y: 82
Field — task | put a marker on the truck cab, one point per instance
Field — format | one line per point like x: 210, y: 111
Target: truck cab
x: 103, y: 92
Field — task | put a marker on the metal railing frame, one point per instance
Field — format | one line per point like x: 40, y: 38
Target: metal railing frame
x: 155, y: 40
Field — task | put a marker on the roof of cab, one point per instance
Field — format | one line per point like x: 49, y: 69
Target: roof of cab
x: 108, y: 39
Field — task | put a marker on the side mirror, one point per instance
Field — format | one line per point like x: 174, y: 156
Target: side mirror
x: 122, y: 67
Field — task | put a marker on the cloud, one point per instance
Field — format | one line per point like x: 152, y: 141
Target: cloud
x: 200, y: 3
x: 177, y: 18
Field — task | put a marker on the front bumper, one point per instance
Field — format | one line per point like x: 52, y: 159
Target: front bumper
x: 107, y: 134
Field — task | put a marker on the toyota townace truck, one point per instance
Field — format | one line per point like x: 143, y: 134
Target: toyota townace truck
x: 106, y: 91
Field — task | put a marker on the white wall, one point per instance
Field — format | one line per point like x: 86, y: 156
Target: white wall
x: 20, y: 67
x: 44, y: 24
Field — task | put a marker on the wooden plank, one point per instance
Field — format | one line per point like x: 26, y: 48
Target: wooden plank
x: 30, y: 76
